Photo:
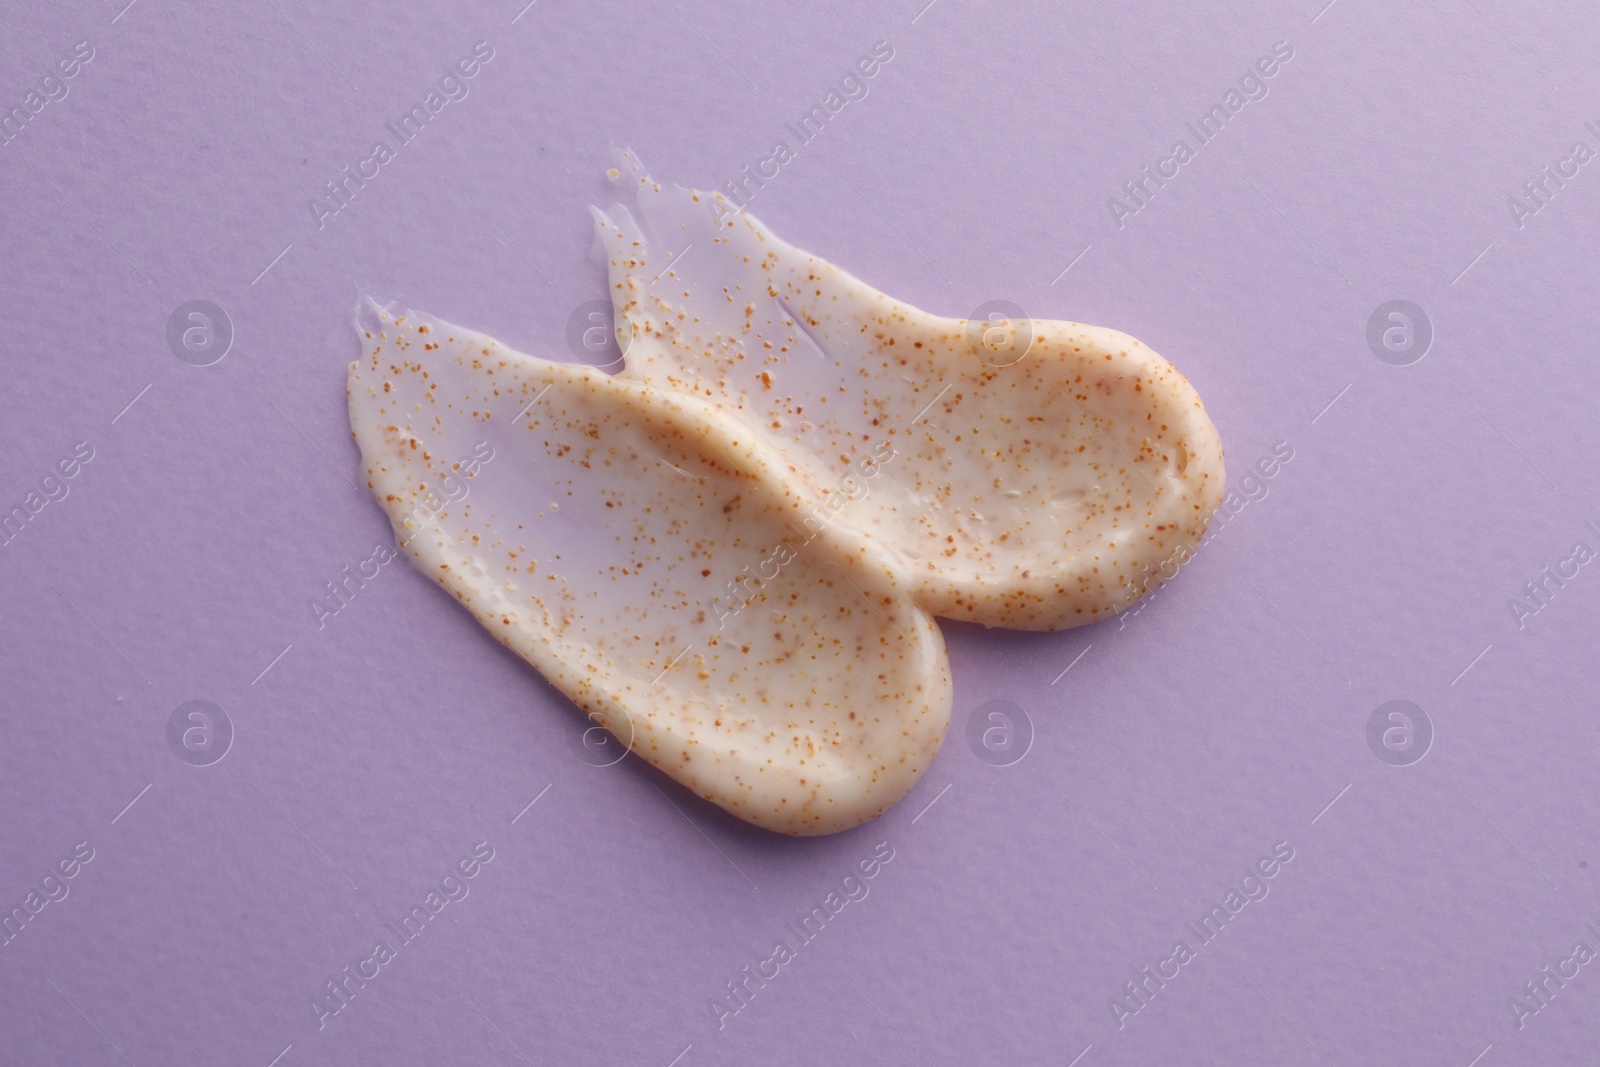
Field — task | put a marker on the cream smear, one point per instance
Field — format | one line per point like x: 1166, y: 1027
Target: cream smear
x: 730, y: 553
x: 599, y: 545
x: 1042, y: 471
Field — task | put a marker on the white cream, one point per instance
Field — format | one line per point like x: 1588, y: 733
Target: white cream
x: 1033, y: 485
x: 598, y: 543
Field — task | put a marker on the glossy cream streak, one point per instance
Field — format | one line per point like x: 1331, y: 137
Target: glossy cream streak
x: 598, y: 544
x: 729, y: 553
x: 1042, y: 468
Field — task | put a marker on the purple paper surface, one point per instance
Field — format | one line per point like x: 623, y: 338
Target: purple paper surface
x: 1442, y: 474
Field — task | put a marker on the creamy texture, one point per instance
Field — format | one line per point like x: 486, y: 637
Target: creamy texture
x: 728, y: 553
x: 599, y: 542
x: 1041, y: 474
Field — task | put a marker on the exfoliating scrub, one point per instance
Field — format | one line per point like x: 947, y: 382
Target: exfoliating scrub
x: 1040, y: 471
x: 730, y: 554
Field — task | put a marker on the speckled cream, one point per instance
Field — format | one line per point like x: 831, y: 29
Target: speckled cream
x: 599, y: 544
x: 1032, y: 486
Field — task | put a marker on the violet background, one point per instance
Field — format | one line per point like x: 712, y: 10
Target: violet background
x: 1222, y: 719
